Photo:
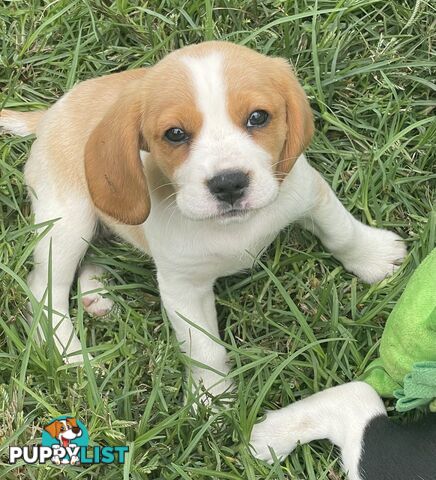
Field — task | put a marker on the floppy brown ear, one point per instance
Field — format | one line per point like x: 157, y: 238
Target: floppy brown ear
x: 54, y: 428
x: 299, y: 118
x: 113, y: 168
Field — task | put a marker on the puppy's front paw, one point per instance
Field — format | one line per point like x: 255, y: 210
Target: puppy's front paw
x: 275, y: 433
x: 210, y: 385
x: 376, y: 255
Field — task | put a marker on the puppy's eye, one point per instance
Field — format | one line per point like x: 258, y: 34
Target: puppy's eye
x: 176, y: 135
x: 258, y: 118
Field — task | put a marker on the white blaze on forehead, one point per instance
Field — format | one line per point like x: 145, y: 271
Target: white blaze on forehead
x: 210, y: 89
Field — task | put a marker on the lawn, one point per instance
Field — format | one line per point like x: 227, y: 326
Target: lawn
x: 297, y: 322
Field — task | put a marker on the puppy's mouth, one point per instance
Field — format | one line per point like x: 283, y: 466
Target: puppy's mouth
x: 235, y: 213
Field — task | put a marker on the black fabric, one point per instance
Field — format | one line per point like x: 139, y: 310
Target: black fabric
x: 399, y: 452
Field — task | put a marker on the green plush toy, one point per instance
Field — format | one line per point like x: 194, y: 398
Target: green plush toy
x: 406, y: 368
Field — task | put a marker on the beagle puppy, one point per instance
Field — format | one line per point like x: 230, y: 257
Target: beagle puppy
x: 353, y: 417
x: 65, y: 431
x: 197, y: 161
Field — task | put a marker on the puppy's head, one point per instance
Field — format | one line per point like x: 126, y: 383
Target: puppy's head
x: 223, y: 123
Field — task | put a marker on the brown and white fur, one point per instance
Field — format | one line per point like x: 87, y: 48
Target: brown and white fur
x: 101, y: 155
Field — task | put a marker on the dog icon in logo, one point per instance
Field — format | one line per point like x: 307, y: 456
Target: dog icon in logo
x: 65, y: 431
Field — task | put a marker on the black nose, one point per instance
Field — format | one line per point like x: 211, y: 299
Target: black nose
x: 228, y: 186
x: 76, y: 430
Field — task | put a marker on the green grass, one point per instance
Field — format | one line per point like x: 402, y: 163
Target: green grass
x: 294, y: 325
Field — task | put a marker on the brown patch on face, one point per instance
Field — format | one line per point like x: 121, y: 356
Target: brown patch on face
x: 242, y: 102
x: 256, y: 82
x: 170, y: 104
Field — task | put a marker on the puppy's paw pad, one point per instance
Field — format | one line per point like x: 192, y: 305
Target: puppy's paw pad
x: 97, y: 305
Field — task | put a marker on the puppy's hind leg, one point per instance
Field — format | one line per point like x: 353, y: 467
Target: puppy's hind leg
x: 67, y: 240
